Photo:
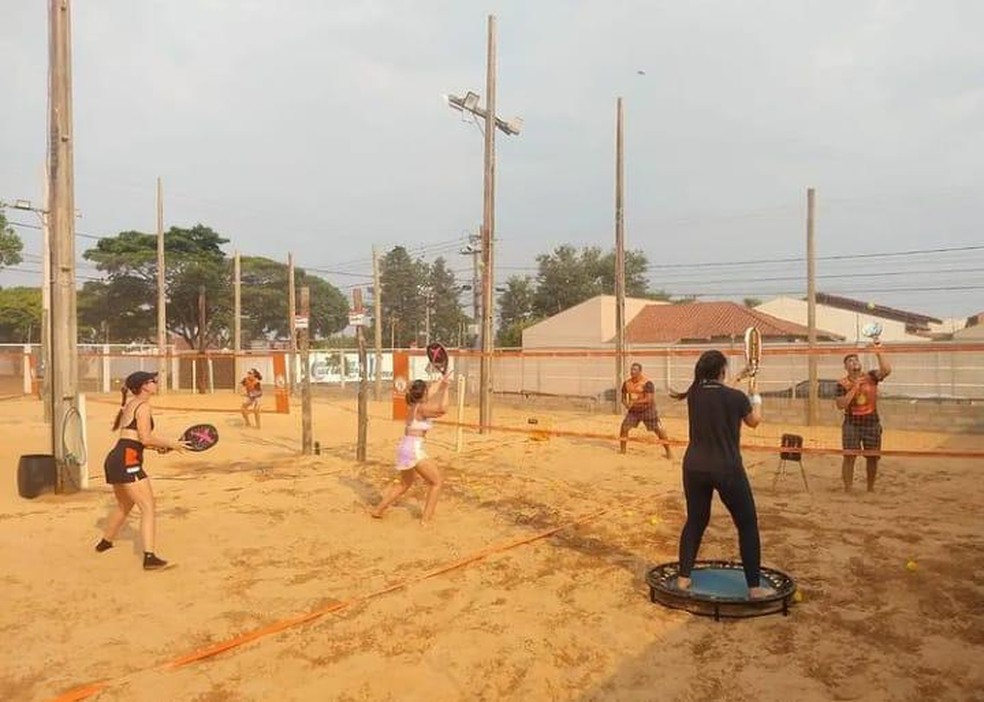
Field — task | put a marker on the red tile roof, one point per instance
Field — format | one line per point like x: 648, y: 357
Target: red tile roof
x: 710, y: 321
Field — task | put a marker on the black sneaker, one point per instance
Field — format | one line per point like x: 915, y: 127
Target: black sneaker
x: 152, y: 562
x: 103, y: 545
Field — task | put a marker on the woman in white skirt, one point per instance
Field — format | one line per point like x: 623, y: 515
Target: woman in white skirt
x: 423, y: 404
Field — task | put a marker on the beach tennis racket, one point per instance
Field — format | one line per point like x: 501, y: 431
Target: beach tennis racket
x: 73, y: 438
x: 873, y: 331
x: 753, y: 356
x: 200, y: 437
x: 437, y: 355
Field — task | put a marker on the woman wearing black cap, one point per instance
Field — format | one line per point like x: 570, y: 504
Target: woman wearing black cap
x: 124, y: 464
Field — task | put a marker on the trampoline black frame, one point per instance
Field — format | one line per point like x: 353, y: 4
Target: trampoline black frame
x: 662, y: 590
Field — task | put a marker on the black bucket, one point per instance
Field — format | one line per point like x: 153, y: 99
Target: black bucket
x: 36, y: 473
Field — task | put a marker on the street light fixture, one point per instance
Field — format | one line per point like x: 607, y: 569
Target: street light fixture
x: 469, y: 103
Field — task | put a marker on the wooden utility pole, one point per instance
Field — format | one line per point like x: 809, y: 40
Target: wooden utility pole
x: 200, y: 361
x: 360, y: 337
x: 619, y: 260
x: 811, y: 307
x: 377, y: 314
x: 303, y: 337
x: 291, y: 313
x: 237, y: 317
x: 63, y: 360
x: 46, y: 301
x: 488, y: 237
x: 477, y: 286
x: 161, y: 304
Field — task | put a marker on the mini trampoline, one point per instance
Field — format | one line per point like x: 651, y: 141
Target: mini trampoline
x: 718, y: 589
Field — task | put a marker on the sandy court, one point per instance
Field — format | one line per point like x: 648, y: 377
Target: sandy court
x: 261, y: 535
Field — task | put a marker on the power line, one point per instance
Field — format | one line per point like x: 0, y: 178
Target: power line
x: 38, y: 227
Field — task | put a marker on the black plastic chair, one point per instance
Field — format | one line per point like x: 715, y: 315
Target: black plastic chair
x: 792, y: 443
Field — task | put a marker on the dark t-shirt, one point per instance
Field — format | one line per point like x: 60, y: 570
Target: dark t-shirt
x: 716, y: 413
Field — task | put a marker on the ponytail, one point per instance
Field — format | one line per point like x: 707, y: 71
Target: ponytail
x: 119, y: 415
x: 709, y: 366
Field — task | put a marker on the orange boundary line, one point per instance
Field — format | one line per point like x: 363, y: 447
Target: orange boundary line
x: 90, y: 689
x: 744, y: 447
x: 164, y: 408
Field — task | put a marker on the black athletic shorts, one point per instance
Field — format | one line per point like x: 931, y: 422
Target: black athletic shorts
x: 124, y: 464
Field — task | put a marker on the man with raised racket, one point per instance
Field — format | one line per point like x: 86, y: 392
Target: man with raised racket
x: 638, y: 398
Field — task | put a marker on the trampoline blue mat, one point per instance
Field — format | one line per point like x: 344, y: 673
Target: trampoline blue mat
x: 719, y: 582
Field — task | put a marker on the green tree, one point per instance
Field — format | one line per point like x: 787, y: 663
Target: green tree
x: 10, y: 244
x: 401, y: 282
x: 636, y: 280
x: 517, y: 310
x: 107, y: 311
x: 446, y: 316
x: 20, y: 315
x: 751, y: 302
x: 194, y: 262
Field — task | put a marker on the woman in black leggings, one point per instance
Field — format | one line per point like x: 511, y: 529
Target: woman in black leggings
x: 713, y: 462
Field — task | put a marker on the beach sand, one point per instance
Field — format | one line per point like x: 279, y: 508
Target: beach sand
x: 260, y: 534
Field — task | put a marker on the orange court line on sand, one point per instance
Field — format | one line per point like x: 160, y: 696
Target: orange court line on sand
x: 90, y: 689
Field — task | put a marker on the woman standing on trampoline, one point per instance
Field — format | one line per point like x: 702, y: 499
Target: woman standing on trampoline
x: 423, y: 404
x: 713, y: 462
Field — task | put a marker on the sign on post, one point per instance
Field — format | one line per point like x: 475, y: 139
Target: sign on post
x: 300, y: 321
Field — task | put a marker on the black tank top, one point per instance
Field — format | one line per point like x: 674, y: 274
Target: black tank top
x: 133, y: 422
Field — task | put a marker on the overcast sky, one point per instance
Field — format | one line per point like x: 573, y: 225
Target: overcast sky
x: 318, y: 127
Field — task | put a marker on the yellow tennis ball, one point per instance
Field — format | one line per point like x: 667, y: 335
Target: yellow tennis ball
x: 871, y: 305
x: 654, y: 519
x: 911, y: 565
x: 797, y: 596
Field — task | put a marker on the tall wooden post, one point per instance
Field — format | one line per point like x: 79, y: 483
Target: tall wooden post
x: 303, y: 334
x: 377, y: 314
x: 161, y: 299
x: 360, y: 336
x: 200, y: 360
x: 237, y: 317
x: 291, y: 313
x: 488, y: 238
x: 63, y: 360
x: 811, y: 308
x: 619, y: 261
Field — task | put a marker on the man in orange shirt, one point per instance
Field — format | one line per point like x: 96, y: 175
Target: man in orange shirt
x: 857, y: 395
x: 638, y: 397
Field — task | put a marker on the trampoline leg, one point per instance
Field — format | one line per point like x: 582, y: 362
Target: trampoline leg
x: 785, y: 606
x: 652, y: 594
x: 717, y: 613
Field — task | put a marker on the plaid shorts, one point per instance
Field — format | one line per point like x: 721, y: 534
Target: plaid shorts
x: 862, y: 433
x: 648, y: 416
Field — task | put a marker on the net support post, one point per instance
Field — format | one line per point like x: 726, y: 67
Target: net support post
x: 459, y: 438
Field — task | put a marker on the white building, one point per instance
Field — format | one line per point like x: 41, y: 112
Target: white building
x: 590, y: 324
x: 847, y: 318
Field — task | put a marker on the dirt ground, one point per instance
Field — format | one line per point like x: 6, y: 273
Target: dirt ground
x: 261, y: 535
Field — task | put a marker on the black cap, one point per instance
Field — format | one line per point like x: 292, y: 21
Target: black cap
x: 136, y: 380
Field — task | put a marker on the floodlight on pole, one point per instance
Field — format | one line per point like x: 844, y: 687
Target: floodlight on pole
x: 469, y: 103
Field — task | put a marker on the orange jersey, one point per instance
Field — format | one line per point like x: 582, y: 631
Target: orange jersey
x: 637, y: 391
x: 866, y: 399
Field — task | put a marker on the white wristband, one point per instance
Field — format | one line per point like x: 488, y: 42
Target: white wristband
x: 755, y: 399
